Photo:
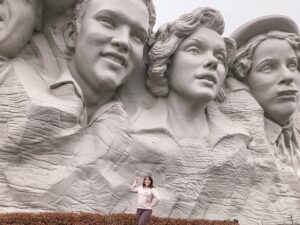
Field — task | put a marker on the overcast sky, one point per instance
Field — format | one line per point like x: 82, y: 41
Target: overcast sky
x: 235, y: 12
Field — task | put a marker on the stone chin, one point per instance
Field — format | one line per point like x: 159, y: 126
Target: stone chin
x: 283, y: 112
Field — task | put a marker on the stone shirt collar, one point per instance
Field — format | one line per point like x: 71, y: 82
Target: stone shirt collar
x: 156, y: 118
x: 107, y: 108
x: 67, y: 78
x: 273, y: 130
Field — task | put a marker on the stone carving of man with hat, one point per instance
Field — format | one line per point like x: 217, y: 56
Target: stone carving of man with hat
x: 263, y: 94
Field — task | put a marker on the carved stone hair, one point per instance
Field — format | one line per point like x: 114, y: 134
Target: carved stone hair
x: 39, y: 17
x: 169, y: 37
x: 242, y: 63
x: 82, y: 5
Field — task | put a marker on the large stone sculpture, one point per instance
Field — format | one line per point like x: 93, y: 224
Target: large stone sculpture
x: 263, y: 96
x: 78, y: 123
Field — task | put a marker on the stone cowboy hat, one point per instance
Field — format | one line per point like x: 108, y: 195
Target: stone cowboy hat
x: 262, y: 25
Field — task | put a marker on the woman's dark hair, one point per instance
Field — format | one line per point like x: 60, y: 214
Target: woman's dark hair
x: 150, y: 178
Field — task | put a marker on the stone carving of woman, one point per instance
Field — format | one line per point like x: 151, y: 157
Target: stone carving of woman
x: 194, y: 152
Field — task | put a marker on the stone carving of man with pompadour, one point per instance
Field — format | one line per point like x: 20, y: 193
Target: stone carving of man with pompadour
x: 80, y: 109
x: 108, y: 38
x: 263, y: 94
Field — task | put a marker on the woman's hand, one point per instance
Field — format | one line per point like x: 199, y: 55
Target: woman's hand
x: 135, y: 184
x: 137, y: 180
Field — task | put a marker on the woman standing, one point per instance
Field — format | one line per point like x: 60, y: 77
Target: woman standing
x: 147, y: 199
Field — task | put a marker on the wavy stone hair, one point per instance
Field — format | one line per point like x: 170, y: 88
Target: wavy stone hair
x: 168, y: 39
x: 82, y: 5
x: 242, y: 62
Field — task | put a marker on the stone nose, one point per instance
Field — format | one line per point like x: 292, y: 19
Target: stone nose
x: 121, y: 40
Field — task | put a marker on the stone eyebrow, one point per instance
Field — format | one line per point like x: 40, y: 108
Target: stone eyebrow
x: 120, y: 17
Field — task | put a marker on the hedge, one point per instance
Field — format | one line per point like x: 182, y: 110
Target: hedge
x: 94, y: 219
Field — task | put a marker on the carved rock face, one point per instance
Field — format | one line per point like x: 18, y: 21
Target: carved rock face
x: 274, y: 79
x: 197, y: 69
x: 54, y: 157
x: 109, y: 45
x: 17, y: 21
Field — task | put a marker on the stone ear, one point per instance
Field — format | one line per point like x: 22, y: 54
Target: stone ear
x: 230, y: 46
x: 231, y: 50
x: 70, y: 34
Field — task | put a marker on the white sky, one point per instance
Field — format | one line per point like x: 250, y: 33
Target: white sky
x: 235, y: 12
